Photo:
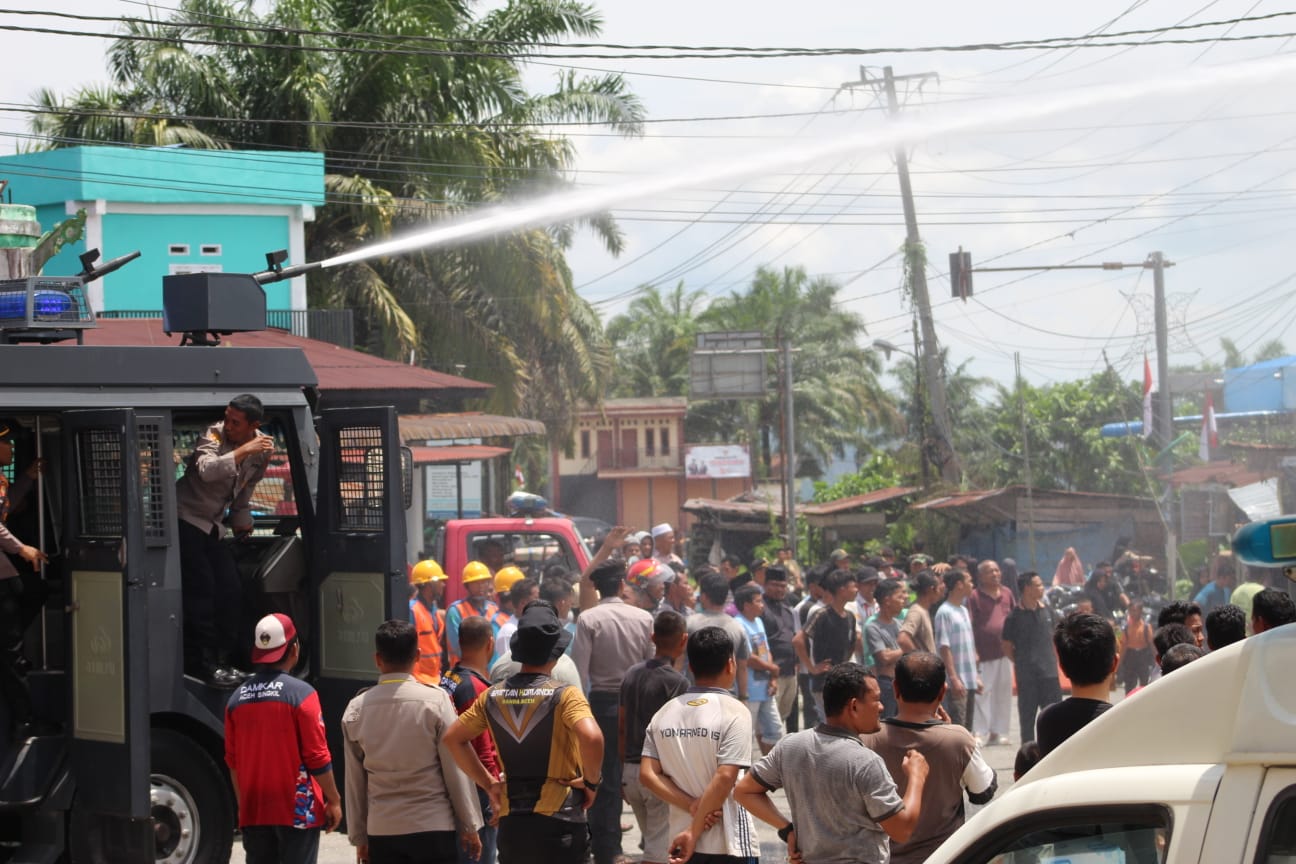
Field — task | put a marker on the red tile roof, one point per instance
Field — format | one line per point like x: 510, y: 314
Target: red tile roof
x: 337, y: 368
x: 1225, y: 473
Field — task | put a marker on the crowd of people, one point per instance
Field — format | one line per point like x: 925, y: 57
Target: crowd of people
x: 511, y: 726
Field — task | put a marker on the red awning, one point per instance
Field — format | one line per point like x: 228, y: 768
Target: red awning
x: 456, y: 453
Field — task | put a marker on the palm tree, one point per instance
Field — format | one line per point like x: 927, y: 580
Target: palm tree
x: 413, y: 131
x: 967, y: 415
x: 837, y: 397
x: 652, y: 340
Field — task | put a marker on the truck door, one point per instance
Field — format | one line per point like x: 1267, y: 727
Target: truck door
x: 116, y: 541
x: 1272, y: 838
x: 359, y: 551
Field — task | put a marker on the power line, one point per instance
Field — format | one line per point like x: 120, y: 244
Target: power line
x: 625, y: 294
x: 631, y: 51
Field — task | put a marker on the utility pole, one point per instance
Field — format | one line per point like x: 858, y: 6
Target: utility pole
x: 1165, y: 414
x: 920, y: 405
x: 789, y: 447
x: 1164, y: 410
x: 1030, y: 480
x: 951, y: 471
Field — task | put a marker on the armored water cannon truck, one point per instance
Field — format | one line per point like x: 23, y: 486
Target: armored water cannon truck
x: 124, y: 761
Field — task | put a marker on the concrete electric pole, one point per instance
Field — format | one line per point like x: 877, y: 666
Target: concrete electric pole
x: 948, y: 461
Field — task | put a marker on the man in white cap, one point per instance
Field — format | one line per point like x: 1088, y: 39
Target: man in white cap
x: 278, y: 758
x: 663, y: 537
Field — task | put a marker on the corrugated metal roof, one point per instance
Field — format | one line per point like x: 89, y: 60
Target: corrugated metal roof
x: 974, y: 496
x: 439, y: 427
x: 337, y: 368
x: 456, y: 453
x: 1259, y: 501
x: 733, y: 508
x: 959, y: 499
x: 854, y: 502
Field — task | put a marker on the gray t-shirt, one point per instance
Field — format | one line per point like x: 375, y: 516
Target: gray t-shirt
x: 839, y: 792
x: 698, y: 620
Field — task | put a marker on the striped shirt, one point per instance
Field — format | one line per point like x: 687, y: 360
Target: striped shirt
x: 954, y: 630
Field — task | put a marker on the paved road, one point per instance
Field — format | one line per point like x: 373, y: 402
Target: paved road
x: 334, y: 848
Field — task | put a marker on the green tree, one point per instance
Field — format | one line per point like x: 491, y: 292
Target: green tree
x: 1067, y: 450
x: 1235, y: 358
x: 652, y: 340
x: 837, y: 396
x: 966, y: 412
x: 412, y: 135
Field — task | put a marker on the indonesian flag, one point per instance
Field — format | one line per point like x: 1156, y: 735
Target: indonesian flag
x: 1209, y: 433
x: 1147, y: 398
x: 519, y: 477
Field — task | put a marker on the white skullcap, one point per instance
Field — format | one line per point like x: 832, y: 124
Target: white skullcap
x: 663, y: 528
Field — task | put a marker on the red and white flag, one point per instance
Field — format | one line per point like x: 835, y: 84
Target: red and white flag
x: 1209, y: 432
x: 1147, y: 398
x: 519, y: 477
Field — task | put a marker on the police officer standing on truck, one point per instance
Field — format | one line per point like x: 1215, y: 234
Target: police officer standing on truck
x: 12, y: 619
x: 219, y: 478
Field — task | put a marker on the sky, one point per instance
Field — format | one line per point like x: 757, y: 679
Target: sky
x: 1179, y: 152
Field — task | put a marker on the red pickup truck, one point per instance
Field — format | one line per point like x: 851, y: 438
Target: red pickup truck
x: 528, y: 543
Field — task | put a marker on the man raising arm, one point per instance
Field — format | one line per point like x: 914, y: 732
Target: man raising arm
x: 844, y: 802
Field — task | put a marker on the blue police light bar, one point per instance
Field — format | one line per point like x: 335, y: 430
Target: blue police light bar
x: 1267, y: 544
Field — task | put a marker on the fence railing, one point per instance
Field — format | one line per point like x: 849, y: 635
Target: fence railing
x: 335, y: 326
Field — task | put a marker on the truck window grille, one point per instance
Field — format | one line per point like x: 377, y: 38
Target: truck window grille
x: 362, y: 477
x: 100, y: 471
x: 152, y: 486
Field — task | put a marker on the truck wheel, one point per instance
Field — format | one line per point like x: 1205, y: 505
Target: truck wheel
x: 193, y: 814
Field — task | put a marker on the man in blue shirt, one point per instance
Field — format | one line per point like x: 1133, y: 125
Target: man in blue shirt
x: 1216, y: 593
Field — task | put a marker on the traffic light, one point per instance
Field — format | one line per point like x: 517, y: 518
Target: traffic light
x: 960, y: 273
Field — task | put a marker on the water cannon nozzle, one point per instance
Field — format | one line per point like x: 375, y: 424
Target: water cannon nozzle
x: 90, y: 273
x: 276, y: 272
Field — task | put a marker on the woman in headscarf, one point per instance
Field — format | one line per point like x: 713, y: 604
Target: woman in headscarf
x: 1069, y: 570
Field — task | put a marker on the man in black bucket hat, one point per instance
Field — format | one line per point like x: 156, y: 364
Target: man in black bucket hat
x: 549, y: 746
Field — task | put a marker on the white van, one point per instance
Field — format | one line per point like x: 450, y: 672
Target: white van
x: 1197, y: 768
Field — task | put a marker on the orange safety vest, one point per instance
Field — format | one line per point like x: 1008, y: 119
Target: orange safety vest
x: 431, y: 641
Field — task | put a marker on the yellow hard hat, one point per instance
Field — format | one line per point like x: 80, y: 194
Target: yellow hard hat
x: 507, y: 577
x: 475, y: 571
x: 425, y: 572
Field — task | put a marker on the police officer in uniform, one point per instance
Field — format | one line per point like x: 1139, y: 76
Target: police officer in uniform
x: 13, y: 621
x: 220, y: 477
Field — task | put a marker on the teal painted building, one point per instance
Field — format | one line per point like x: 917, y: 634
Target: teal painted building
x: 185, y: 210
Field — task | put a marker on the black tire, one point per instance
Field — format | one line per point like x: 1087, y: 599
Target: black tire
x: 189, y: 790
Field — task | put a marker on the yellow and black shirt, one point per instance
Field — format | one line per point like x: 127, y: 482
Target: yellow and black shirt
x: 523, y: 713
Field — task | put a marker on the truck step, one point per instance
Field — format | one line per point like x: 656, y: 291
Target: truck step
x: 29, y: 769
